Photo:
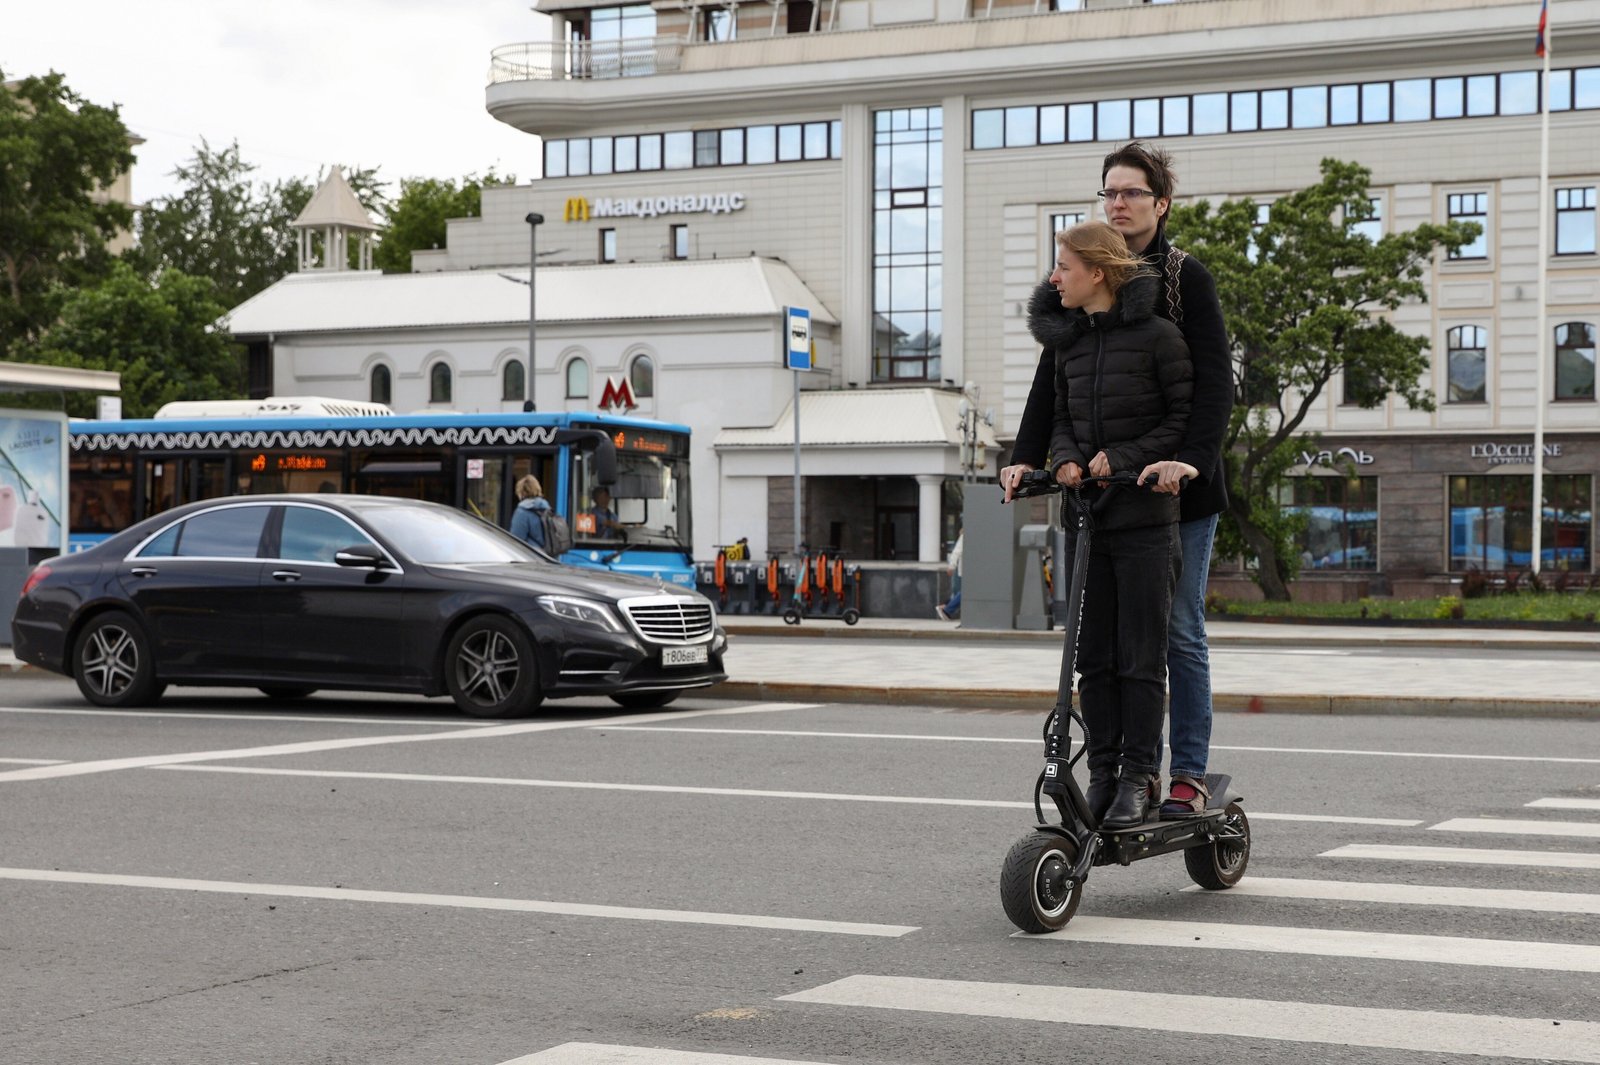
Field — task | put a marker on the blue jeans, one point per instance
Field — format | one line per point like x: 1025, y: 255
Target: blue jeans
x: 1188, y: 664
x: 953, y: 606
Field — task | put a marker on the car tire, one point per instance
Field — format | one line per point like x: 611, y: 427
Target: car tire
x: 285, y: 693
x: 112, y: 662
x: 645, y: 700
x: 489, y: 669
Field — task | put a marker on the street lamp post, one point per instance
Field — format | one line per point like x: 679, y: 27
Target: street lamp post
x: 972, y: 457
x: 534, y: 220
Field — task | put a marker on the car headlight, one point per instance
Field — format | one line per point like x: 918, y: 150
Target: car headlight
x: 583, y: 611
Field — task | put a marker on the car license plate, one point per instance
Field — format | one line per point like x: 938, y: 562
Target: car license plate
x: 683, y: 656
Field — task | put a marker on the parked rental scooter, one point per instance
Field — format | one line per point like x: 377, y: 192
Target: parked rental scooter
x: 1041, y: 882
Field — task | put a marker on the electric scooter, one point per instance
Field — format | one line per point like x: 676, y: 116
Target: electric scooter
x: 1041, y: 882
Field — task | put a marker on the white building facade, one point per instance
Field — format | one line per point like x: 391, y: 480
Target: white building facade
x: 908, y: 161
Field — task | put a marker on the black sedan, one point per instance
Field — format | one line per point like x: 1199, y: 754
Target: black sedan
x: 289, y: 594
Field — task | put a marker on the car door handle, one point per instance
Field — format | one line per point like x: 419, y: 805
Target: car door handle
x: 144, y: 571
x: 285, y: 575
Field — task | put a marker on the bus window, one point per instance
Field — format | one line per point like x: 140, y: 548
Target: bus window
x: 408, y: 474
x: 163, y: 485
x: 100, y: 493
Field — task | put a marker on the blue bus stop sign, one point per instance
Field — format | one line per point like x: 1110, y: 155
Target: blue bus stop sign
x: 797, y: 338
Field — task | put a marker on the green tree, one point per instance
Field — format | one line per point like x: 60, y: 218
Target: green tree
x: 158, y: 335
x: 417, y: 219
x: 56, y: 151
x: 1305, y: 295
x: 229, y: 228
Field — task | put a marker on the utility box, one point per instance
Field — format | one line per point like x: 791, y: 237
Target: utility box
x: 991, y: 565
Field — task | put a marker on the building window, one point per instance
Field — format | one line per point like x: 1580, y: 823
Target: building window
x: 577, y: 379
x: 642, y: 377
x: 707, y: 147
x: 1575, y: 360
x: 513, y: 382
x: 1575, y: 221
x: 1341, y: 521
x: 1371, y: 226
x: 907, y: 243
x: 718, y: 24
x: 440, y: 388
x: 798, y: 16
x: 680, y: 241
x: 1470, y: 207
x: 1491, y: 525
x: 381, y: 389
x: 608, y: 245
x: 1058, y: 222
x: 1252, y: 249
x: 1467, y: 358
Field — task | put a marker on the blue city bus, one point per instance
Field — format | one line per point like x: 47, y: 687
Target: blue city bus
x: 124, y: 471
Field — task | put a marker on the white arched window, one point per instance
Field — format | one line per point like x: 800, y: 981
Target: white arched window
x: 513, y: 382
x: 642, y: 376
x: 1467, y: 351
x: 440, y: 385
x: 381, y: 389
x: 578, y: 379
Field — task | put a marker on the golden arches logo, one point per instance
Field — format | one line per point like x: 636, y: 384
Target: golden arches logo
x: 576, y: 210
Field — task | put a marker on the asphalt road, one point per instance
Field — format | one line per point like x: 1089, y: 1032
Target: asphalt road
x: 374, y: 880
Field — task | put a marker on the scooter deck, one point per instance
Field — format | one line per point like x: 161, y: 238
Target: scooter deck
x: 1120, y: 846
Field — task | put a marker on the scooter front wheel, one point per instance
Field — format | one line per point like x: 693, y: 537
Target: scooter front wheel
x: 1036, y: 888
x: 1221, y: 863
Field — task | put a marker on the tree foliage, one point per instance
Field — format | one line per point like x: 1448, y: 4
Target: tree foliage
x: 158, y: 335
x: 417, y: 221
x: 1305, y: 296
x: 226, y: 227
x: 57, y: 150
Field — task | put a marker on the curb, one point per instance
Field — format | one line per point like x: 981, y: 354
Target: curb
x: 1041, y: 699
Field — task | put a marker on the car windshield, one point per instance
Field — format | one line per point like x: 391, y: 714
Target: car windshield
x: 444, y: 537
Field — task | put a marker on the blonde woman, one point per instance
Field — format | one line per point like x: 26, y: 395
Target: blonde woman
x: 1124, y: 384
x: 527, y: 520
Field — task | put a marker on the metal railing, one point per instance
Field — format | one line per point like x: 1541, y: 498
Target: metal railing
x: 583, y: 60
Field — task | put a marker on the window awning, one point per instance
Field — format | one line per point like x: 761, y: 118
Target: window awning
x: 36, y: 377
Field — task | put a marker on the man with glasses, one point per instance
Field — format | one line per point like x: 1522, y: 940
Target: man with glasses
x: 1137, y: 184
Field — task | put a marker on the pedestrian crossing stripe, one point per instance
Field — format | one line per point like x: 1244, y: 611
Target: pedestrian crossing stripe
x: 1566, y: 804
x: 1328, y: 942
x: 1466, y: 856
x: 1409, y: 895
x: 1507, y: 827
x: 1427, y: 1031
x: 610, y: 1054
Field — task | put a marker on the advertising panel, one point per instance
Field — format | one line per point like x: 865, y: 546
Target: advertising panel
x: 33, y: 479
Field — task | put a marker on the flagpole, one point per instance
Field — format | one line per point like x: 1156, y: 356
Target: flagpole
x: 1541, y: 331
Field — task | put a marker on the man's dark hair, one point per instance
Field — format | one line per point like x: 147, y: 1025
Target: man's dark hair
x: 1155, y: 163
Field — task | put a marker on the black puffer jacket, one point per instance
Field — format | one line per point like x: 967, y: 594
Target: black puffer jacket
x: 1124, y: 385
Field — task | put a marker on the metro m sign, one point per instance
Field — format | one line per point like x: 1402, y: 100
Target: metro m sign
x: 617, y: 394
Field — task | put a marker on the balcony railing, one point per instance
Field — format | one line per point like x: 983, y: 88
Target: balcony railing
x: 569, y: 60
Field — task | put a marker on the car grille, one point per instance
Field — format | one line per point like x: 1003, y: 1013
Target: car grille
x: 671, y: 618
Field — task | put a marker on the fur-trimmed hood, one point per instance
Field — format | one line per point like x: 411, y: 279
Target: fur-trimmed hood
x: 1056, y: 327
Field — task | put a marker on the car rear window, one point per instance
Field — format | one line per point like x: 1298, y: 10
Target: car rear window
x: 232, y: 532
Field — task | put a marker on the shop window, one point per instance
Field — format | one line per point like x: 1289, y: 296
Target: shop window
x: 1467, y: 355
x: 513, y: 382
x: 577, y: 379
x: 440, y: 386
x: 1470, y: 207
x: 1341, y: 521
x: 381, y: 388
x: 1575, y: 360
x: 642, y: 377
x: 1491, y: 526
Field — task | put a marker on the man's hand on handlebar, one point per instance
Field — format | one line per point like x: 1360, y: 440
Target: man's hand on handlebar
x: 1100, y: 466
x: 1069, y: 474
x: 1011, y: 479
x: 1170, y: 475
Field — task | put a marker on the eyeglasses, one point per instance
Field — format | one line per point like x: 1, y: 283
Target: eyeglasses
x: 1126, y: 195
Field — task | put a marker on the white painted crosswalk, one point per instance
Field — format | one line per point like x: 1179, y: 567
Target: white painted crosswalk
x: 1565, y: 804
x: 1466, y: 856
x: 1507, y: 827
x: 1408, y: 895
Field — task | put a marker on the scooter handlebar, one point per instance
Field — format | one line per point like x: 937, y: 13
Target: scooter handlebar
x: 1043, y: 482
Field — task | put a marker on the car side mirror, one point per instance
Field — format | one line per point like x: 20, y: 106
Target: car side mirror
x: 361, y: 556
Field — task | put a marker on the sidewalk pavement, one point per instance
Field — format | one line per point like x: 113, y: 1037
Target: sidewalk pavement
x: 1256, y: 667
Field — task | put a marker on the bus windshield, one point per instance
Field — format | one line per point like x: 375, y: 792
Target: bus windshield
x: 647, y: 506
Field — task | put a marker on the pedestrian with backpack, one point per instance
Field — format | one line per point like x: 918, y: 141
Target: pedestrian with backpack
x: 528, y: 519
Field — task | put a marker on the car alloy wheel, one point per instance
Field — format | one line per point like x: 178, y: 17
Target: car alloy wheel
x: 490, y: 668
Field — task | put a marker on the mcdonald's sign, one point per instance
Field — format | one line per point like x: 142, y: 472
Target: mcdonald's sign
x: 617, y: 393
x: 577, y: 209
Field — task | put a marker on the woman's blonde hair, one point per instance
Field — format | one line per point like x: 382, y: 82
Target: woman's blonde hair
x: 528, y: 487
x: 1102, y: 248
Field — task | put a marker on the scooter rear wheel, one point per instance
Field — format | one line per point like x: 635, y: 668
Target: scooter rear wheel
x: 1221, y: 864
x: 1035, y: 888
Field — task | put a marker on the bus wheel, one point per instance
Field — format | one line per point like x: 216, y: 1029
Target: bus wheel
x: 645, y: 700
x: 285, y: 693
x: 490, y: 670
x: 112, y: 662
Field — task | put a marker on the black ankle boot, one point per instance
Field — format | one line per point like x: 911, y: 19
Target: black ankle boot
x: 1133, y: 800
x: 1102, y: 784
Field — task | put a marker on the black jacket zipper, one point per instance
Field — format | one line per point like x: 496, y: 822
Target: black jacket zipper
x: 1099, y: 372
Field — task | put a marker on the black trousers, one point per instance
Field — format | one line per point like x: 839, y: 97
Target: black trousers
x: 1122, y: 643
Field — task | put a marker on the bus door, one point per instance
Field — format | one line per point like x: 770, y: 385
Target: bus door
x: 171, y: 480
x: 489, y: 481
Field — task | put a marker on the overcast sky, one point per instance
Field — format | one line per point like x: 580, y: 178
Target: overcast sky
x: 299, y: 84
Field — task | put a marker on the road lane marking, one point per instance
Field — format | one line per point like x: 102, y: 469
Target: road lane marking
x: 608, y: 1054
x: 1566, y: 804
x: 1039, y: 742
x: 33, y: 761
x: 684, y: 789
x: 1329, y: 943
x: 70, y: 769
x: 1429, y: 1031
x: 1506, y: 827
x: 1466, y: 856
x: 469, y: 902
x: 245, y: 715
x: 1409, y: 895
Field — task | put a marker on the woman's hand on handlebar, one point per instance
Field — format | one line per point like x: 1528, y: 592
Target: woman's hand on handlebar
x: 1069, y: 474
x: 1011, y: 478
x: 1100, y: 466
x: 1170, y: 475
